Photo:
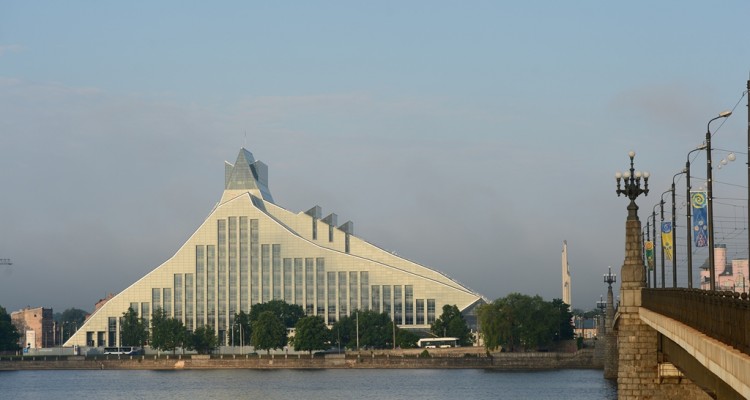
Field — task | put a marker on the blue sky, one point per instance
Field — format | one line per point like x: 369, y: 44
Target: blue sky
x: 473, y: 138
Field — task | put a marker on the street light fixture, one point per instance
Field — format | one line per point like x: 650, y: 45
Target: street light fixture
x: 661, y: 229
x: 632, y: 186
x: 710, y: 201
x: 688, y: 224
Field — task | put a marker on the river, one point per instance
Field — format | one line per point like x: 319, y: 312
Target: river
x: 428, y: 384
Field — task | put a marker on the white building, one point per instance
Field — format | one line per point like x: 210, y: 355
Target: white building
x: 250, y: 250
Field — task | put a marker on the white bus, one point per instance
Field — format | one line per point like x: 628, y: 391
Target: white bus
x: 127, y: 350
x: 437, y: 343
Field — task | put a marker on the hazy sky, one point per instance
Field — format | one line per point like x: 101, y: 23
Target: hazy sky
x: 471, y: 137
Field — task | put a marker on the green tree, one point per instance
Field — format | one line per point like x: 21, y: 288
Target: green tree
x: 8, y: 334
x: 241, y: 329
x: 375, y: 330
x: 311, y: 333
x: 203, y: 340
x: 133, y: 330
x: 452, y: 324
x: 344, y: 332
x: 268, y: 332
x: 491, y: 323
x: 406, y: 339
x: 564, y: 317
x: 520, y: 321
x: 287, y: 313
x: 70, y: 320
x: 166, y: 333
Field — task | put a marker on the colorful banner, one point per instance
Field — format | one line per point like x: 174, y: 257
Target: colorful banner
x: 650, y: 255
x: 666, y: 239
x: 700, y: 221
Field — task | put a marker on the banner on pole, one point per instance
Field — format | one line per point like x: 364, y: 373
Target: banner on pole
x: 666, y: 239
x: 650, y: 255
x: 700, y: 220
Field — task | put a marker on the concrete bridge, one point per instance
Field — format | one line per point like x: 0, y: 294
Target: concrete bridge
x: 675, y: 343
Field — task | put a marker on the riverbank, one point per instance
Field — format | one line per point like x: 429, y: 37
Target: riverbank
x: 583, y: 359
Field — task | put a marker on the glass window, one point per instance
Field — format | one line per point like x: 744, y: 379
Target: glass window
x: 178, y: 296
x: 265, y: 277
x: 222, y: 269
x: 409, y: 305
x: 276, y: 259
x: 398, y: 305
x: 364, y: 288
x: 244, y: 268
x: 167, y: 301
x: 320, y: 286
x: 299, y: 282
x: 309, y: 287
x: 200, y: 276
x: 145, y: 313
x: 331, y: 297
x: 387, y: 300
x: 288, y: 287
x: 376, y: 298
x: 233, y: 281
x: 430, y: 311
x: 156, y: 298
x: 254, y: 264
x: 354, y: 290
x: 189, y: 301
x: 112, y: 330
x: 134, y: 306
x: 420, y: 312
x: 211, y: 285
x: 343, y: 309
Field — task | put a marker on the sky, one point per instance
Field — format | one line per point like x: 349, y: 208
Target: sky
x: 470, y: 137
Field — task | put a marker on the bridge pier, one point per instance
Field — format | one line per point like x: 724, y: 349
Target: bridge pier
x: 639, y: 373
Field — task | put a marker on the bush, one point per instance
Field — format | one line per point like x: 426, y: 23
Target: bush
x: 424, y: 354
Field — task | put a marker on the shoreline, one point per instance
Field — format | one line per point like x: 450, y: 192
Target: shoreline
x: 583, y: 359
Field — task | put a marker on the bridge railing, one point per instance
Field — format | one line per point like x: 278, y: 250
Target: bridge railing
x: 722, y: 315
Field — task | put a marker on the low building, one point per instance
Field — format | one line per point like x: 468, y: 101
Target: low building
x: 36, y: 327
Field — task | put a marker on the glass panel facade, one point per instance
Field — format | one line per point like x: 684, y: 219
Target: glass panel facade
x: 200, y: 279
x: 387, y: 301
x: 430, y: 311
x: 112, y: 331
x: 331, y: 297
x: 354, y: 290
x: 375, y: 298
x: 145, y: 313
x: 222, y: 269
x: 178, y: 297
x: 364, y: 288
x: 343, y: 309
x: 156, y: 298
x: 409, y: 305
x: 320, y: 286
x: 299, y: 283
x: 135, y: 308
x: 398, y: 310
x: 276, y: 249
x: 244, y: 268
x: 265, y: 275
x: 309, y: 287
x: 189, y: 301
x: 254, y: 263
x: 420, y: 312
x: 211, y: 286
x: 167, y: 301
x: 288, y: 288
x: 233, y: 281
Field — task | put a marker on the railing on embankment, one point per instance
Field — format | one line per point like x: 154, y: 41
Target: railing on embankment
x: 722, y: 315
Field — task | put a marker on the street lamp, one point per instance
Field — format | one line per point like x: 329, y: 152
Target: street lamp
x: 653, y: 231
x: 688, y: 224
x: 710, y: 201
x: 632, y: 183
x: 674, y: 232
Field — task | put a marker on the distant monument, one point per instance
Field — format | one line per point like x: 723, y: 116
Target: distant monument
x: 565, y: 275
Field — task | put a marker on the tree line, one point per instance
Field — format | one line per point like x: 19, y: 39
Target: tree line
x: 521, y: 322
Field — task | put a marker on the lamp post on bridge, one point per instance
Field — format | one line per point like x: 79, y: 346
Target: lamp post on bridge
x: 602, y: 328
x: 689, y: 211
x: 674, y: 231
x: 710, y: 201
x: 661, y: 229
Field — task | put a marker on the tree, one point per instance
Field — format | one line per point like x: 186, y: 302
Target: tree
x: 311, y: 333
x: 203, y: 340
x: 70, y: 320
x: 241, y: 329
x: 133, y: 331
x: 490, y: 320
x: 287, y: 313
x: 519, y: 321
x: 268, y: 332
x: 406, y: 339
x: 564, y: 316
x: 452, y: 324
x: 8, y: 334
x: 166, y: 333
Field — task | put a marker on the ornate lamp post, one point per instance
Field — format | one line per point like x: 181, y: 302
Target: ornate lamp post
x: 609, y: 279
x: 710, y: 201
x: 601, y: 305
x: 632, y: 186
x: 688, y: 224
x: 661, y: 213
